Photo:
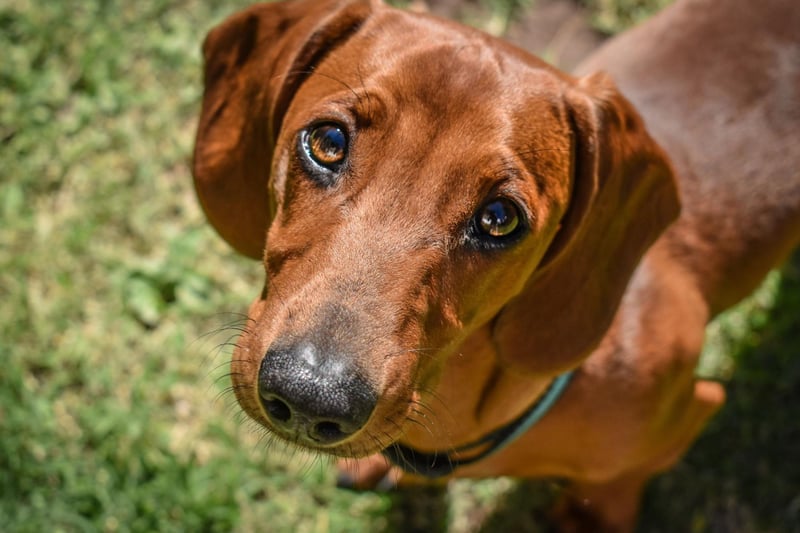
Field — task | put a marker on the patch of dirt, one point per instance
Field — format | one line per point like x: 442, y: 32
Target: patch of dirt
x: 558, y: 31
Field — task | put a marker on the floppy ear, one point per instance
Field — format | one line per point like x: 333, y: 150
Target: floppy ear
x: 623, y: 196
x: 254, y: 63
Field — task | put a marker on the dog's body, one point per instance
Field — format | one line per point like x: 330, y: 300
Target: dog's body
x: 717, y: 84
x: 388, y: 317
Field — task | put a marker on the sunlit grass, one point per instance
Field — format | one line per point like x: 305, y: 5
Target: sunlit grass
x: 113, y: 403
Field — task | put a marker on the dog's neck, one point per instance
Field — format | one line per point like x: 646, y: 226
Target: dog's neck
x: 458, y: 412
x: 444, y: 462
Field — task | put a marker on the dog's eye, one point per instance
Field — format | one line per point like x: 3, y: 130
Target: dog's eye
x: 326, y: 145
x: 498, y: 218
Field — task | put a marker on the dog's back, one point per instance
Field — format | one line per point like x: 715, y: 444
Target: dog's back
x: 718, y: 83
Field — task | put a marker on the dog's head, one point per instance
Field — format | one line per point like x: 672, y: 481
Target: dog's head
x: 407, y: 181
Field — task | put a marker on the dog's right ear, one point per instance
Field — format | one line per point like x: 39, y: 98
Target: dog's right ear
x: 624, y: 196
x: 254, y: 63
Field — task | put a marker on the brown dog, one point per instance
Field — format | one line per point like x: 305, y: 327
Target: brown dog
x: 449, y: 225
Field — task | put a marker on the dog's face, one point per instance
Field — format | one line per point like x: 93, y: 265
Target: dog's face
x: 418, y: 176
x: 407, y: 213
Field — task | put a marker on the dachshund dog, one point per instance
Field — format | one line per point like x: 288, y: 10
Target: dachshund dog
x: 477, y: 265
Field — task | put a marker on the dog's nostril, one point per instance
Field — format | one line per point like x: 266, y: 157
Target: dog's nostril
x: 277, y: 409
x: 329, y: 432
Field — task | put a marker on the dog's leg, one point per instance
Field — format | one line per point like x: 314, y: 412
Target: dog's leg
x: 603, y: 508
x: 709, y: 396
x: 612, y: 506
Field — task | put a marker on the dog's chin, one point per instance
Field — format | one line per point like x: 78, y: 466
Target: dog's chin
x: 371, y: 439
x: 354, y: 449
x: 363, y: 444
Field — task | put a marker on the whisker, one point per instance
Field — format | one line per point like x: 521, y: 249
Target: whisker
x: 310, y: 73
x: 227, y: 391
x: 226, y: 364
x: 445, y: 408
x: 403, y: 351
x: 360, y: 75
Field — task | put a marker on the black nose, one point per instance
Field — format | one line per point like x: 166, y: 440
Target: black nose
x: 316, y: 398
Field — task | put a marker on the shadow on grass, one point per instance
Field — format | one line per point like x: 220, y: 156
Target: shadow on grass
x: 743, y: 474
x: 430, y: 510
x: 418, y: 510
x: 523, y: 510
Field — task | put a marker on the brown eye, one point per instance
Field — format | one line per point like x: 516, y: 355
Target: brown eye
x: 498, y: 218
x: 326, y: 145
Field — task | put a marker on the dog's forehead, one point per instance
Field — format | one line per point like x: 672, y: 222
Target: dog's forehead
x: 450, y: 112
x: 433, y: 83
x: 426, y: 60
x: 424, y: 71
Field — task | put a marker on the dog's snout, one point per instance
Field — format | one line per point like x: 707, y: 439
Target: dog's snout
x: 316, y: 397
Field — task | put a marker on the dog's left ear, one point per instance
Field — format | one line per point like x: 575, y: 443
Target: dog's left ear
x: 254, y: 63
x: 623, y: 197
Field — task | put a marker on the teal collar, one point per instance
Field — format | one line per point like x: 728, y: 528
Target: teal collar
x: 439, y: 464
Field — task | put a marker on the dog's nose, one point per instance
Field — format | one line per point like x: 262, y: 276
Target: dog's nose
x: 315, y: 397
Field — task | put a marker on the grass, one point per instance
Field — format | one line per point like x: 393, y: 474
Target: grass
x: 613, y: 16
x: 112, y: 401
x: 116, y: 299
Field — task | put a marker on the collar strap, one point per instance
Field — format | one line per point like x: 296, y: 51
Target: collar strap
x: 442, y: 463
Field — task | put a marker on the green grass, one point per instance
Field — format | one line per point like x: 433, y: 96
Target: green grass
x: 116, y: 299
x: 112, y: 402
x: 613, y: 16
